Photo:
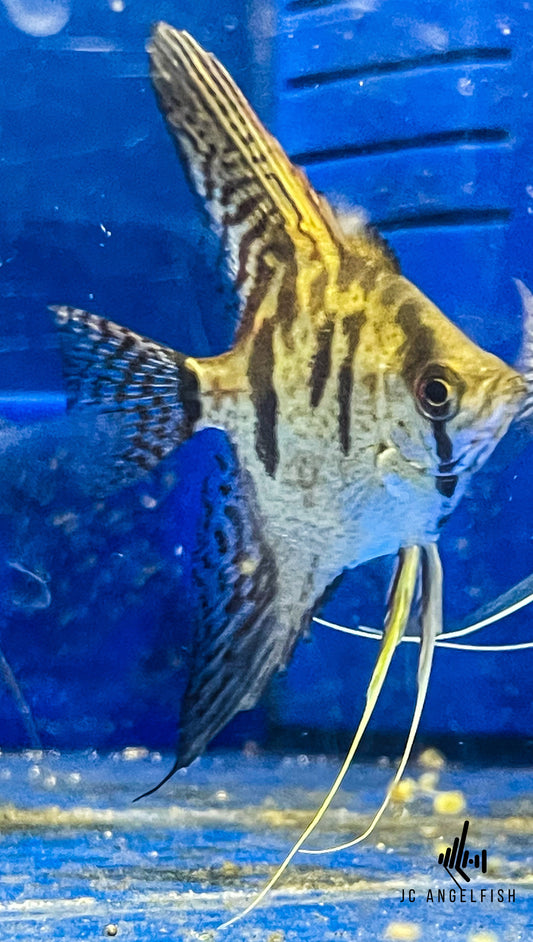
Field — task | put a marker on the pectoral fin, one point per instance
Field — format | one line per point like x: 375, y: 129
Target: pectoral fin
x: 141, y: 390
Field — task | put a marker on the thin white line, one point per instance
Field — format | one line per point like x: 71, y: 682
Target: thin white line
x: 375, y: 635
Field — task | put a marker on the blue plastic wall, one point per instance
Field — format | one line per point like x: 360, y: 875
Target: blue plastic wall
x: 421, y: 113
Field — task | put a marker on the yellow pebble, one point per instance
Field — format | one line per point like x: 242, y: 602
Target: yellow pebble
x: 449, y: 803
x: 432, y: 759
x: 229, y: 869
x: 277, y: 936
x: 402, y: 931
x: 484, y: 936
x: 404, y: 790
x: 111, y: 930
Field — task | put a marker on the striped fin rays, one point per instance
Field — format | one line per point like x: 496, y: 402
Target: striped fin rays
x: 262, y: 206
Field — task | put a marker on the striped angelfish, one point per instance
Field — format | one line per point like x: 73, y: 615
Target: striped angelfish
x: 356, y: 411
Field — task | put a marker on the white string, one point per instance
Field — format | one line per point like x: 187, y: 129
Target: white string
x: 375, y: 635
x: 490, y: 619
x: 443, y: 640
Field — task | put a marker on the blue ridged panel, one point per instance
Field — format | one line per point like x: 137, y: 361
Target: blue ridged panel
x: 396, y: 107
x: 478, y: 176
x: 422, y: 114
x: 328, y: 38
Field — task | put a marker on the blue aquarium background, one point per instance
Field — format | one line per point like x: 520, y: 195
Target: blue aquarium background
x: 422, y: 113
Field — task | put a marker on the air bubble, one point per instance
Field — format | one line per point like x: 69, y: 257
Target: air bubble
x: 38, y: 17
x: 465, y: 86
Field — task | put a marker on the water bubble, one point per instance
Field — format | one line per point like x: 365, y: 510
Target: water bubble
x: 38, y: 17
x: 432, y: 35
x: 231, y: 23
x: 504, y: 26
x: 465, y: 86
x: 529, y: 190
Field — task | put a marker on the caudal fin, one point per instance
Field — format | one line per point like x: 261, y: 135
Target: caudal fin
x: 141, y: 389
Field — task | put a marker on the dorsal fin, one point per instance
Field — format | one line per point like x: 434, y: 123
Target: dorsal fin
x: 275, y: 227
x: 263, y: 207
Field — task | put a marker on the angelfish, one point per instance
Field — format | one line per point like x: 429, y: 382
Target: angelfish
x: 356, y: 411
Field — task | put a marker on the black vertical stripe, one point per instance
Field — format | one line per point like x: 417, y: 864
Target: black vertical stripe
x: 345, y: 395
x: 321, y: 367
x: 287, y: 308
x: 351, y: 326
x: 189, y: 394
x: 444, y: 444
x: 419, y: 346
x: 263, y: 277
x: 264, y: 398
x: 446, y: 483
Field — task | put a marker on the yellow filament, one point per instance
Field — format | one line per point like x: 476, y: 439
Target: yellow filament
x: 395, y: 624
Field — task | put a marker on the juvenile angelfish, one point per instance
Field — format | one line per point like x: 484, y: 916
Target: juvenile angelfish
x: 355, y: 409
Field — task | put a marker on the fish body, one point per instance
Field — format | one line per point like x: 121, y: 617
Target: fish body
x: 356, y: 410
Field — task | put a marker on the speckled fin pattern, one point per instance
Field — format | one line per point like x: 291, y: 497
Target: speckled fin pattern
x: 144, y: 385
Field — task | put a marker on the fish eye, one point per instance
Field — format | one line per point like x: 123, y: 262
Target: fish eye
x: 436, y: 393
